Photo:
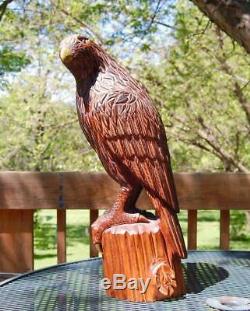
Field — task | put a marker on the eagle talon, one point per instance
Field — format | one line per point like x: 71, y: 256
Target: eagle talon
x: 96, y: 232
x: 113, y: 219
x: 143, y: 219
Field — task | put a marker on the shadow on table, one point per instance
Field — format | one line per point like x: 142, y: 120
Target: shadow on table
x: 201, y: 275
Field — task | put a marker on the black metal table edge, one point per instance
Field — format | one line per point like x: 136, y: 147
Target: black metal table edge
x: 22, y: 275
x: 246, y: 255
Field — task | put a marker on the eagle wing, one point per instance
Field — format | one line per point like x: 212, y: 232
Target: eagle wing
x: 129, y: 133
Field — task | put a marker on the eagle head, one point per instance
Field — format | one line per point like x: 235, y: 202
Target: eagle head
x: 80, y: 56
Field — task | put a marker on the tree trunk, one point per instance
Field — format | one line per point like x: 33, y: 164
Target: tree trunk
x: 3, y: 7
x: 232, y: 16
x: 138, y: 251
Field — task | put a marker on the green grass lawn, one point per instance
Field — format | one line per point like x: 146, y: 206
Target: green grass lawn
x: 78, y: 236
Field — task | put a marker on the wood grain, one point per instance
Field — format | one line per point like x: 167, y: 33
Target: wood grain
x: 16, y: 241
x: 31, y: 190
x: 144, y: 255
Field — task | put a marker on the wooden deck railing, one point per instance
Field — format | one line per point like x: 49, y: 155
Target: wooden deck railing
x: 21, y: 193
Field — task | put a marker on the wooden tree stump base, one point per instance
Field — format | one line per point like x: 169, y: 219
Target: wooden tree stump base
x: 136, y: 253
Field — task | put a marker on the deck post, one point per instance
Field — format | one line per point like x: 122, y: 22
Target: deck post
x: 16, y: 241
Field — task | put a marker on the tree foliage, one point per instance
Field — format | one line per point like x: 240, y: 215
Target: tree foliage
x: 195, y: 74
x: 201, y: 87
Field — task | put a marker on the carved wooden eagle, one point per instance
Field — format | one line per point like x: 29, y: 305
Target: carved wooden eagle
x: 123, y: 126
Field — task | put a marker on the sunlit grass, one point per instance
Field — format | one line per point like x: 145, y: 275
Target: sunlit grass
x: 77, y: 237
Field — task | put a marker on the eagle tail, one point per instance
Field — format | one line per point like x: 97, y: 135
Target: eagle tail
x: 170, y: 229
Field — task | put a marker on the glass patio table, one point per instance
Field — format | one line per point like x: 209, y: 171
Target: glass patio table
x: 76, y: 286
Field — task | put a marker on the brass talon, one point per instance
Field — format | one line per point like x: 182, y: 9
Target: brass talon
x: 143, y: 219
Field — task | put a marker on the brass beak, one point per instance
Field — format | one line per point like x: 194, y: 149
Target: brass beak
x: 66, y: 54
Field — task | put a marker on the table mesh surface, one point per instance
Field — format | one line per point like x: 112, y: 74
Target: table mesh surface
x: 76, y: 286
